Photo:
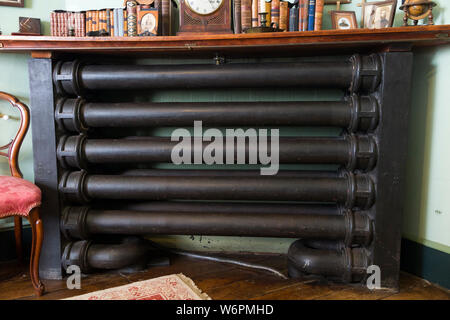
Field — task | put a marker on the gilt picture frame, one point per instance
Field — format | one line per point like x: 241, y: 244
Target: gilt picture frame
x: 343, y: 20
x: 12, y: 3
x: 379, y: 15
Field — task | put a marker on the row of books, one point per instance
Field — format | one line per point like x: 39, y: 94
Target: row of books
x: 107, y: 22
x: 112, y: 21
x: 303, y: 15
x: 79, y: 24
x: 64, y: 23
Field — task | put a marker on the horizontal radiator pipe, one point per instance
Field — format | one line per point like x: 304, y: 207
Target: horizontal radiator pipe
x: 226, y: 173
x: 348, y: 189
x: 83, y: 222
x: 353, y: 152
x: 89, y: 256
x: 355, y: 114
x: 221, y: 207
x: 341, y: 263
x: 357, y: 73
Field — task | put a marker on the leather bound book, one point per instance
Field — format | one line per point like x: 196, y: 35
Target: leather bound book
x: 98, y: 23
x: 255, y: 13
x: 80, y: 19
x: 65, y: 19
x: 63, y: 26
x: 275, y: 12
x: 237, y: 16
x: 268, y: 16
x: 311, y: 14
x: 103, y: 21
x: 132, y: 18
x: 284, y: 15
x: 89, y: 21
x: 83, y: 24
x: 70, y: 24
x: 73, y: 16
x: 108, y: 22
x: 53, y: 24
x: 66, y: 24
x: 57, y: 19
x: 98, y: 20
x: 293, y: 19
x: 165, y: 17
x: 303, y: 15
x: 78, y: 27
x: 138, y: 22
x: 114, y: 22
x: 246, y: 14
x: 125, y: 23
x: 318, y: 15
x: 95, y: 20
x: 59, y: 24
x: 74, y: 23
x: 120, y: 23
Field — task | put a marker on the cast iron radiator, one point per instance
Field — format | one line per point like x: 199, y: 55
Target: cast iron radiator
x: 101, y: 192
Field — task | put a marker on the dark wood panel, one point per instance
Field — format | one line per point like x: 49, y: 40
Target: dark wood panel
x: 46, y: 168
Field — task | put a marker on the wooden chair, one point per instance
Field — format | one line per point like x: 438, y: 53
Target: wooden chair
x: 21, y: 198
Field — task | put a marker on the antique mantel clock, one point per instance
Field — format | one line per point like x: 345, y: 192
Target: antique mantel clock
x: 205, y: 17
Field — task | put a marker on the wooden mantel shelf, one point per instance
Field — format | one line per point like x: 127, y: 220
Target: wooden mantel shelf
x: 283, y: 43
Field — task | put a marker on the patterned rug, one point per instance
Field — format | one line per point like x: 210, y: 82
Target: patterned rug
x: 172, y: 287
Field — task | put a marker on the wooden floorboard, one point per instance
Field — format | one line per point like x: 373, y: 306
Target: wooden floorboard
x: 415, y: 288
x: 221, y: 281
x: 305, y: 290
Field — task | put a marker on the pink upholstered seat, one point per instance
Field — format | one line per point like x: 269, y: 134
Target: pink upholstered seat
x: 17, y: 196
x: 20, y: 198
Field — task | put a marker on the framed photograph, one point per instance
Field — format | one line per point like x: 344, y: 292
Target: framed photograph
x: 343, y: 20
x: 12, y: 3
x: 379, y: 15
x: 148, y: 19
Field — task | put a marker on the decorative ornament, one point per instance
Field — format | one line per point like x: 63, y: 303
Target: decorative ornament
x: 417, y: 10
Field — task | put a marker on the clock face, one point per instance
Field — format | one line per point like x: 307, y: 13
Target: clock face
x: 204, y: 7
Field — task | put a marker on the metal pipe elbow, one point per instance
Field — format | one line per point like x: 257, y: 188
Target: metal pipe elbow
x: 331, y: 260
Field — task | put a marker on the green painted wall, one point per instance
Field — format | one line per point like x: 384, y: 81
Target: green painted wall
x: 426, y: 218
x: 14, y: 78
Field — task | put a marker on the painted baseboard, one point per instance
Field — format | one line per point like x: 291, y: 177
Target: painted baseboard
x: 425, y: 262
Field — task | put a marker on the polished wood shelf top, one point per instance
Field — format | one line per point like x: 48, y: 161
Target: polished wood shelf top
x: 282, y: 43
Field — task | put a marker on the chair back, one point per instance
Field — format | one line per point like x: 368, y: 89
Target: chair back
x: 13, y: 147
